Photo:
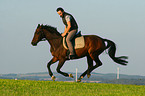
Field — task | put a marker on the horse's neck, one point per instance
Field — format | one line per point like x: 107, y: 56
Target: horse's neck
x: 55, y: 41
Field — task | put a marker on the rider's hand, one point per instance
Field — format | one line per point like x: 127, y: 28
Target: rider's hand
x: 63, y: 34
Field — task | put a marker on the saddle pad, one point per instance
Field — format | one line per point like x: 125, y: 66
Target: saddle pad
x: 79, y: 42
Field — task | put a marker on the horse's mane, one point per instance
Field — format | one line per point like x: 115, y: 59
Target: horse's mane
x: 50, y: 29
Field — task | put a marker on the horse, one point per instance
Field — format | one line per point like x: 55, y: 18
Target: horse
x: 94, y: 46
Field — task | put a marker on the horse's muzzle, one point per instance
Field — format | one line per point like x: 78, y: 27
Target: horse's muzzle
x: 34, y: 44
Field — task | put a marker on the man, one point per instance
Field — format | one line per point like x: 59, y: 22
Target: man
x: 71, y: 28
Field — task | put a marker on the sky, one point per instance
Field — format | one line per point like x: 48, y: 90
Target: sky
x: 122, y: 21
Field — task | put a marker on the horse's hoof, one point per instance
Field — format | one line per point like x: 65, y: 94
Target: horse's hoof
x: 79, y: 80
x: 70, y: 75
x: 53, y: 78
x: 88, y: 75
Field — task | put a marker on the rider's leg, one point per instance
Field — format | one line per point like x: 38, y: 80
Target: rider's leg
x: 69, y: 37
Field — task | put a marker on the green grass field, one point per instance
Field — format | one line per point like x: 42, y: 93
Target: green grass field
x: 50, y: 88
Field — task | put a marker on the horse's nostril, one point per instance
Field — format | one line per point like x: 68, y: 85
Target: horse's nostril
x: 34, y: 44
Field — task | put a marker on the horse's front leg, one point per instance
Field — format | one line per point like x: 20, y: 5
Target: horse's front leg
x: 53, y: 60
x: 60, y: 64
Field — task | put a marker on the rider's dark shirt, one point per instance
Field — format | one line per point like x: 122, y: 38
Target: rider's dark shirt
x: 68, y: 17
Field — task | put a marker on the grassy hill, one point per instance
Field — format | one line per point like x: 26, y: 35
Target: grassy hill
x: 95, y: 77
x: 49, y: 88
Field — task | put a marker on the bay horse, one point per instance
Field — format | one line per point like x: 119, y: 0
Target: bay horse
x: 94, y: 46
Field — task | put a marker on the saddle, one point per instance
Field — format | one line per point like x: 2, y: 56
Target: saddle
x: 78, y: 41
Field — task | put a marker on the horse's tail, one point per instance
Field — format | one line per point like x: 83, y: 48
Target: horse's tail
x: 112, y: 50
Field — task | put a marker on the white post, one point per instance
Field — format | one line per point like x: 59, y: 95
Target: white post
x: 76, y: 74
x: 117, y: 72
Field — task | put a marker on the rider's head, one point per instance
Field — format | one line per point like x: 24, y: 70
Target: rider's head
x: 60, y: 11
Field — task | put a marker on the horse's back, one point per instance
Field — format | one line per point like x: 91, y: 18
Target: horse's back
x: 93, y: 38
x: 94, y: 41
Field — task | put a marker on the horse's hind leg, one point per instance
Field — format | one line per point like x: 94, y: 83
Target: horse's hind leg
x: 90, y: 64
x: 98, y: 63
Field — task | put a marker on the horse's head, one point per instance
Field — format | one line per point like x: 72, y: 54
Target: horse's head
x: 38, y: 35
x: 45, y: 32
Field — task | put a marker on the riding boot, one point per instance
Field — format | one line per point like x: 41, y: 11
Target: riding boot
x: 73, y: 56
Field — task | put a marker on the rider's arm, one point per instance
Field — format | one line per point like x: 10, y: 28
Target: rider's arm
x: 68, y: 27
x: 68, y: 18
x: 63, y: 34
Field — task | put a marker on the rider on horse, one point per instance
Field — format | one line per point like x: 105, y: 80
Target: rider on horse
x: 71, y: 29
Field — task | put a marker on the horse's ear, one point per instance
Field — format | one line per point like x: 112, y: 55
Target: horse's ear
x: 38, y: 25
